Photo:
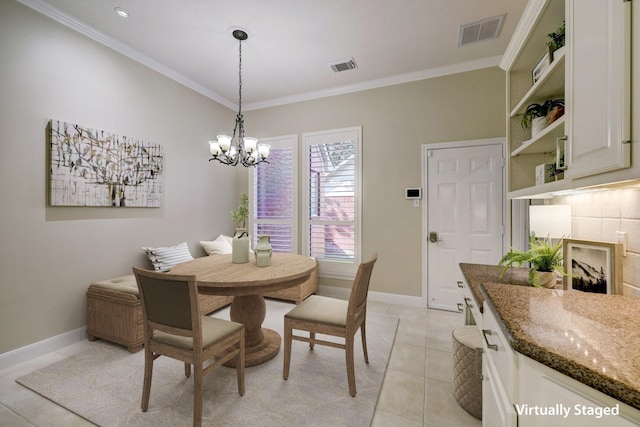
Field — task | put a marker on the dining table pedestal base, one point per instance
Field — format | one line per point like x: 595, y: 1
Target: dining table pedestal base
x: 261, y: 344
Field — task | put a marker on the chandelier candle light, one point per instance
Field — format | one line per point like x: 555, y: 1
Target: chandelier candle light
x: 247, y: 151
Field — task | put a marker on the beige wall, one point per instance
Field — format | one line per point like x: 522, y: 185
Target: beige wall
x: 396, y: 121
x: 50, y: 255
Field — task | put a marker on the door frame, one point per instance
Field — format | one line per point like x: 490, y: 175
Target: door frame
x: 506, y: 235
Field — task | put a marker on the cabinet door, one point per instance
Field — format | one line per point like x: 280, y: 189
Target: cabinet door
x: 598, y: 86
x: 497, y: 411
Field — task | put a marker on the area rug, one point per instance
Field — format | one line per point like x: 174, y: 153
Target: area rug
x: 103, y: 384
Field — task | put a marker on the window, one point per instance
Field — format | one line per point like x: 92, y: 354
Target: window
x: 273, y: 195
x: 332, y: 200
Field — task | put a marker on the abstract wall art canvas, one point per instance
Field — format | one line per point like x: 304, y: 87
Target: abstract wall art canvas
x: 91, y: 167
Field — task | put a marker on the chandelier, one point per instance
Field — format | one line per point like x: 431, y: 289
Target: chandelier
x: 237, y: 148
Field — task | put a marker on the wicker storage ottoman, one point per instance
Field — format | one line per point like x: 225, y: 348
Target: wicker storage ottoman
x: 114, y: 311
x: 466, y: 363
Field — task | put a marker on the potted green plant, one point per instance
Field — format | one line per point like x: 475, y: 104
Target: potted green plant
x: 544, y: 258
x: 240, y: 215
x: 240, y: 242
x: 537, y: 116
x: 556, y: 41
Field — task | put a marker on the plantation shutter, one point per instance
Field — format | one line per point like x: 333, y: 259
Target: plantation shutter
x: 332, y: 200
x: 274, y: 203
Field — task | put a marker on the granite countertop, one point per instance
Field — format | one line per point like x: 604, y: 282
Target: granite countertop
x: 480, y: 273
x: 592, y: 338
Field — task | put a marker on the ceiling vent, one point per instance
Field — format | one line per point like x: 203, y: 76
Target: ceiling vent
x: 343, y: 65
x: 485, y: 29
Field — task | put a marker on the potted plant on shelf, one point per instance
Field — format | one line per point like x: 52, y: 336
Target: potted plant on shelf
x: 240, y: 242
x: 539, y: 116
x: 556, y: 41
x: 544, y: 258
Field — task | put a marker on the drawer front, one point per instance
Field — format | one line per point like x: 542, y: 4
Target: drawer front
x: 468, y: 305
x: 497, y: 349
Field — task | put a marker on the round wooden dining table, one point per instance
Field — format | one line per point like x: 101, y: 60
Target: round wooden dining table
x: 217, y: 275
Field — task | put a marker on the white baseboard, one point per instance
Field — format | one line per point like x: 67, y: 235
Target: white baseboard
x: 57, y: 342
x: 41, y: 348
x: 343, y: 293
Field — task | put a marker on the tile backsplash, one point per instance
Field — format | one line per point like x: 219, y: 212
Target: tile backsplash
x: 597, y: 215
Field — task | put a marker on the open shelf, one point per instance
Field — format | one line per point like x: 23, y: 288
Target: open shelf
x: 550, y: 84
x: 544, y: 142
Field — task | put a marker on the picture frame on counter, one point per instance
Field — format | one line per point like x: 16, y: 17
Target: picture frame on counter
x: 592, y: 266
x: 541, y: 67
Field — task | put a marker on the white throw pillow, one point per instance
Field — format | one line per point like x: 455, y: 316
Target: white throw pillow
x: 220, y: 246
x: 165, y: 258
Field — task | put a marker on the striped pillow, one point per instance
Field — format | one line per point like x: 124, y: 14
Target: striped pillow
x: 163, y: 259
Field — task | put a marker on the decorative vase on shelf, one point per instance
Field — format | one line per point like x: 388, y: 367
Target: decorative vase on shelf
x: 240, y: 246
x: 555, y: 54
x: 263, y: 251
x: 537, y: 125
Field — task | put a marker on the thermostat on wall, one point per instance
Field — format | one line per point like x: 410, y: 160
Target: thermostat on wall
x: 413, y: 193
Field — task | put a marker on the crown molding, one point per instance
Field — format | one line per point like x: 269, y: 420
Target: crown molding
x: 528, y: 20
x: 386, y: 81
x: 69, y: 21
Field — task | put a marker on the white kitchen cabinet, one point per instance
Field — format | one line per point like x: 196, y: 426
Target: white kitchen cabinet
x: 515, y: 387
x: 577, y: 405
x: 498, y: 375
x: 497, y: 410
x: 468, y: 305
x: 593, y: 76
x: 598, y: 86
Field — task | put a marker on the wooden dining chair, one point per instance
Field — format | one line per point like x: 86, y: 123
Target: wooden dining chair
x: 174, y: 327
x: 331, y: 316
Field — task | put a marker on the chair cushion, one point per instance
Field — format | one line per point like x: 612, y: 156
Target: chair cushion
x: 213, y: 330
x: 319, y: 309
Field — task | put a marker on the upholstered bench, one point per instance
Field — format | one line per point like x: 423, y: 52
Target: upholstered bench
x: 298, y: 293
x: 114, y: 311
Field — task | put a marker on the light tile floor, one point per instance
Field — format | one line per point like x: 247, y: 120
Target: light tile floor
x: 416, y: 389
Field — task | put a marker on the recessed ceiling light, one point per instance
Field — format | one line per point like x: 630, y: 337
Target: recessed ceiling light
x: 121, y: 12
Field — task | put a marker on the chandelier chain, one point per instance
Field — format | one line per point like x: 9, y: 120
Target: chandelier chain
x: 246, y: 151
x: 240, y: 77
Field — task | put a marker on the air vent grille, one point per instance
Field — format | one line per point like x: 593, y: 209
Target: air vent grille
x: 343, y: 65
x: 485, y: 29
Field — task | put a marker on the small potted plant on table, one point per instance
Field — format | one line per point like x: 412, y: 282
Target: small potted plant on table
x: 544, y: 258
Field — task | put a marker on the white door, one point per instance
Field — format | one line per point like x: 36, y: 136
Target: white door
x: 464, y: 216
